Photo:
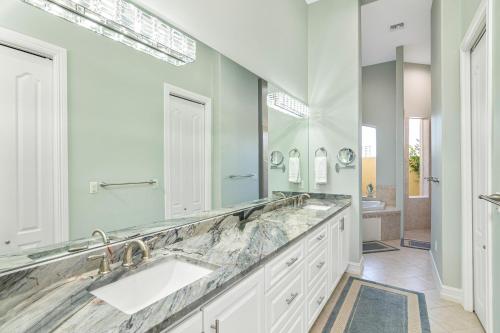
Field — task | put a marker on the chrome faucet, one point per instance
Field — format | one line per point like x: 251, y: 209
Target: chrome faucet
x: 129, y: 247
x: 283, y: 195
x: 104, y: 265
x: 101, y: 233
x: 301, y: 198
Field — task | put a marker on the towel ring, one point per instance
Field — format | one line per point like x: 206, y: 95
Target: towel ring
x: 321, y: 149
x: 294, y: 152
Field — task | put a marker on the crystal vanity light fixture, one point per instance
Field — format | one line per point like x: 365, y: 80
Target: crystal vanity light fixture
x: 285, y: 103
x: 124, y: 22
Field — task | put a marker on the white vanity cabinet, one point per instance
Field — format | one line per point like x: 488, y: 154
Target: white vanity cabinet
x: 288, y: 293
x: 193, y: 324
x: 241, y: 309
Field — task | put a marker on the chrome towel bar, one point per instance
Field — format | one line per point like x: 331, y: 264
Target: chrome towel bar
x: 250, y: 175
x: 147, y: 182
x: 494, y: 198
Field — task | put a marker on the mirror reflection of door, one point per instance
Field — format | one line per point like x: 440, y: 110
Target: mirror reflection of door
x: 186, y: 157
x: 26, y: 155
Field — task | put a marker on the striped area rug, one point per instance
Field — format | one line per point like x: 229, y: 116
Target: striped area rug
x: 369, y: 307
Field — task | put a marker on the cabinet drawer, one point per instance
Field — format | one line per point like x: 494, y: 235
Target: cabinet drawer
x: 296, y: 324
x: 316, y: 300
x: 317, y: 265
x: 285, y: 297
x: 279, y: 267
x: 317, y: 238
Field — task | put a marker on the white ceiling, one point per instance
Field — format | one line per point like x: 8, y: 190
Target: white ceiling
x: 268, y: 38
x: 379, y: 44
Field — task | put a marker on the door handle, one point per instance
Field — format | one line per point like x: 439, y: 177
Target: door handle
x: 432, y: 179
x: 493, y: 198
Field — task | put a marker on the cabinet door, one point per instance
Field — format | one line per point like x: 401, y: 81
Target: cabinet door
x: 240, y: 310
x: 335, y: 253
x: 345, y: 225
x: 192, y: 325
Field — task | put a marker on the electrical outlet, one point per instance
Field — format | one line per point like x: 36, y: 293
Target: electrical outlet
x: 93, y: 187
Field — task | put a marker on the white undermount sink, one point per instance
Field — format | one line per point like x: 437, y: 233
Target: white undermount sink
x: 317, y: 207
x: 139, y: 290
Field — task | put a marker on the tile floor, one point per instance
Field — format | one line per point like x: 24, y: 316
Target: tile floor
x: 411, y: 269
x: 419, y: 234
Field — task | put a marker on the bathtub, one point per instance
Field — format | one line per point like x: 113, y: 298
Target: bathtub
x: 372, y: 205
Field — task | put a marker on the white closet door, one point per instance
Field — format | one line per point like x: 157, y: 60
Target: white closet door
x: 26, y: 154
x: 187, y: 155
x: 480, y: 146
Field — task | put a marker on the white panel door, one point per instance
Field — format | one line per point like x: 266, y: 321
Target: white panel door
x: 480, y: 146
x: 187, y: 156
x: 26, y: 153
x: 335, y: 255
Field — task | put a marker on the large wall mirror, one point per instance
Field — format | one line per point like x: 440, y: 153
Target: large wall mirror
x: 99, y: 134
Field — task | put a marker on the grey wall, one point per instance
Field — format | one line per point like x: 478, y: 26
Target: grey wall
x: 379, y: 110
x: 417, y: 90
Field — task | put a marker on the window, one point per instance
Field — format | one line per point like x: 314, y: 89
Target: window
x: 418, y: 157
x: 369, y: 160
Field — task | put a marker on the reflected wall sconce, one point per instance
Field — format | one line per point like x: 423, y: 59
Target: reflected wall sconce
x: 287, y: 104
x: 126, y: 23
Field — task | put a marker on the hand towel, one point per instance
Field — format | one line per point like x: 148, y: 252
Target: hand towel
x: 294, y: 170
x: 321, y: 170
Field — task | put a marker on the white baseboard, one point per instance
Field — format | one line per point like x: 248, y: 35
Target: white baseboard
x: 446, y: 292
x: 356, y: 268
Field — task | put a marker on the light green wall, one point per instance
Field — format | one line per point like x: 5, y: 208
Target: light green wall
x: 286, y: 133
x: 449, y: 22
x: 379, y: 110
x: 334, y: 97
x: 115, y: 106
x: 436, y: 121
x: 468, y: 9
x: 239, y: 133
x: 496, y: 161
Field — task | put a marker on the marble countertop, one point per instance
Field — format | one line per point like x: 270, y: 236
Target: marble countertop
x: 18, y: 259
x: 236, y: 249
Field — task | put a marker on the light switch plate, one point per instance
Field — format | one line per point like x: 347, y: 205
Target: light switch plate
x: 93, y: 187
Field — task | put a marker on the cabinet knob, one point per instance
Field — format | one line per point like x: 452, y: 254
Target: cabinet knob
x: 321, y: 264
x: 291, y: 298
x: 291, y: 261
x: 7, y: 242
x: 215, y: 326
x: 320, y: 300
